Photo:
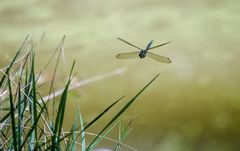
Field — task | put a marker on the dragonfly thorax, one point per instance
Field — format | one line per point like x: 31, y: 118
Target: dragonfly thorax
x: 142, y: 54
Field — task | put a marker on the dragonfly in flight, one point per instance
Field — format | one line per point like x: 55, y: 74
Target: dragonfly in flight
x: 142, y: 53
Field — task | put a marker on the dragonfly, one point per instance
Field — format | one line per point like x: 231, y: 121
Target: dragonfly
x: 142, y: 53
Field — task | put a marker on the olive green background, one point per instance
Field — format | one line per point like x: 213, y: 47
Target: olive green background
x: 194, y: 105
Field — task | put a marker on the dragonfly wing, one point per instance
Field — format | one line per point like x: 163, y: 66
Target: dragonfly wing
x: 127, y: 55
x: 160, y: 45
x: 159, y: 58
x: 128, y: 43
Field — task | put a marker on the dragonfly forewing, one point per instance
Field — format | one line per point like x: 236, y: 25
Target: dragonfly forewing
x: 127, y: 55
x: 159, y: 58
x: 160, y: 45
x: 128, y: 43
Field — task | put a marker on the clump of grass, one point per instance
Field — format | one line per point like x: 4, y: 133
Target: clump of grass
x: 25, y: 120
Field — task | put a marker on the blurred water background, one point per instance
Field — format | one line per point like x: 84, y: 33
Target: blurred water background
x: 193, y: 105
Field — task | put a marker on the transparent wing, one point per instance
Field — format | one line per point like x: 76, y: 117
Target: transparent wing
x: 127, y: 55
x: 159, y: 58
x: 160, y: 45
x: 128, y: 43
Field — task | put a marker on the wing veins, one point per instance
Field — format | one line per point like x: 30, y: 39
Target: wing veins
x: 128, y: 43
x: 160, y: 45
x: 127, y: 55
x: 159, y: 58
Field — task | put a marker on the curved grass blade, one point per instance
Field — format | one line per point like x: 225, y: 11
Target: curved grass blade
x: 54, y: 53
x: 101, y: 114
x: 56, y: 65
x: 120, y: 113
x: 104, y: 134
x: 92, y: 122
x: 13, y: 60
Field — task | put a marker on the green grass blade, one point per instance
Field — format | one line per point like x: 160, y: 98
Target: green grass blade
x: 3, y: 119
x: 62, y: 138
x: 71, y: 71
x: 120, y: 112
x: 123, y: 133
x: 13, y: 60
x: 101, y: 114
x: 83, y: 142
x: 92, y: 122
x: 73, y: 139
x: 57, y: 62
x: 60, y: 114
x: 44, y: 104
x: 19, y: 115
x: 59, y: 118
x: 55, y: 52
x: 103, y: 135
x: 15, y: 145
x: 8, y: 69
x: 33, y: 127
x: 34, y: 96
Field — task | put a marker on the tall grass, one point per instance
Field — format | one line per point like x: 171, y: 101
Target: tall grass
x: 25, y: 121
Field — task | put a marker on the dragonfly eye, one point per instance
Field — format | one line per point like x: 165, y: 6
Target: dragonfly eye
x: 142, y: 55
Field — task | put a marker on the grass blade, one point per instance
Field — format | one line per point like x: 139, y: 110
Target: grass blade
x: 101, y: 114
x: 33, y: 127
x: 34, y: 96
x: 12, y: 115
x: 60, y: 115
x: 104, y: 135
x: 123, y: 133
x: 13, y: 60
x: 120, y: 112
x: 83, y: 142
x: 20, y: 117
x: 94, y: 120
